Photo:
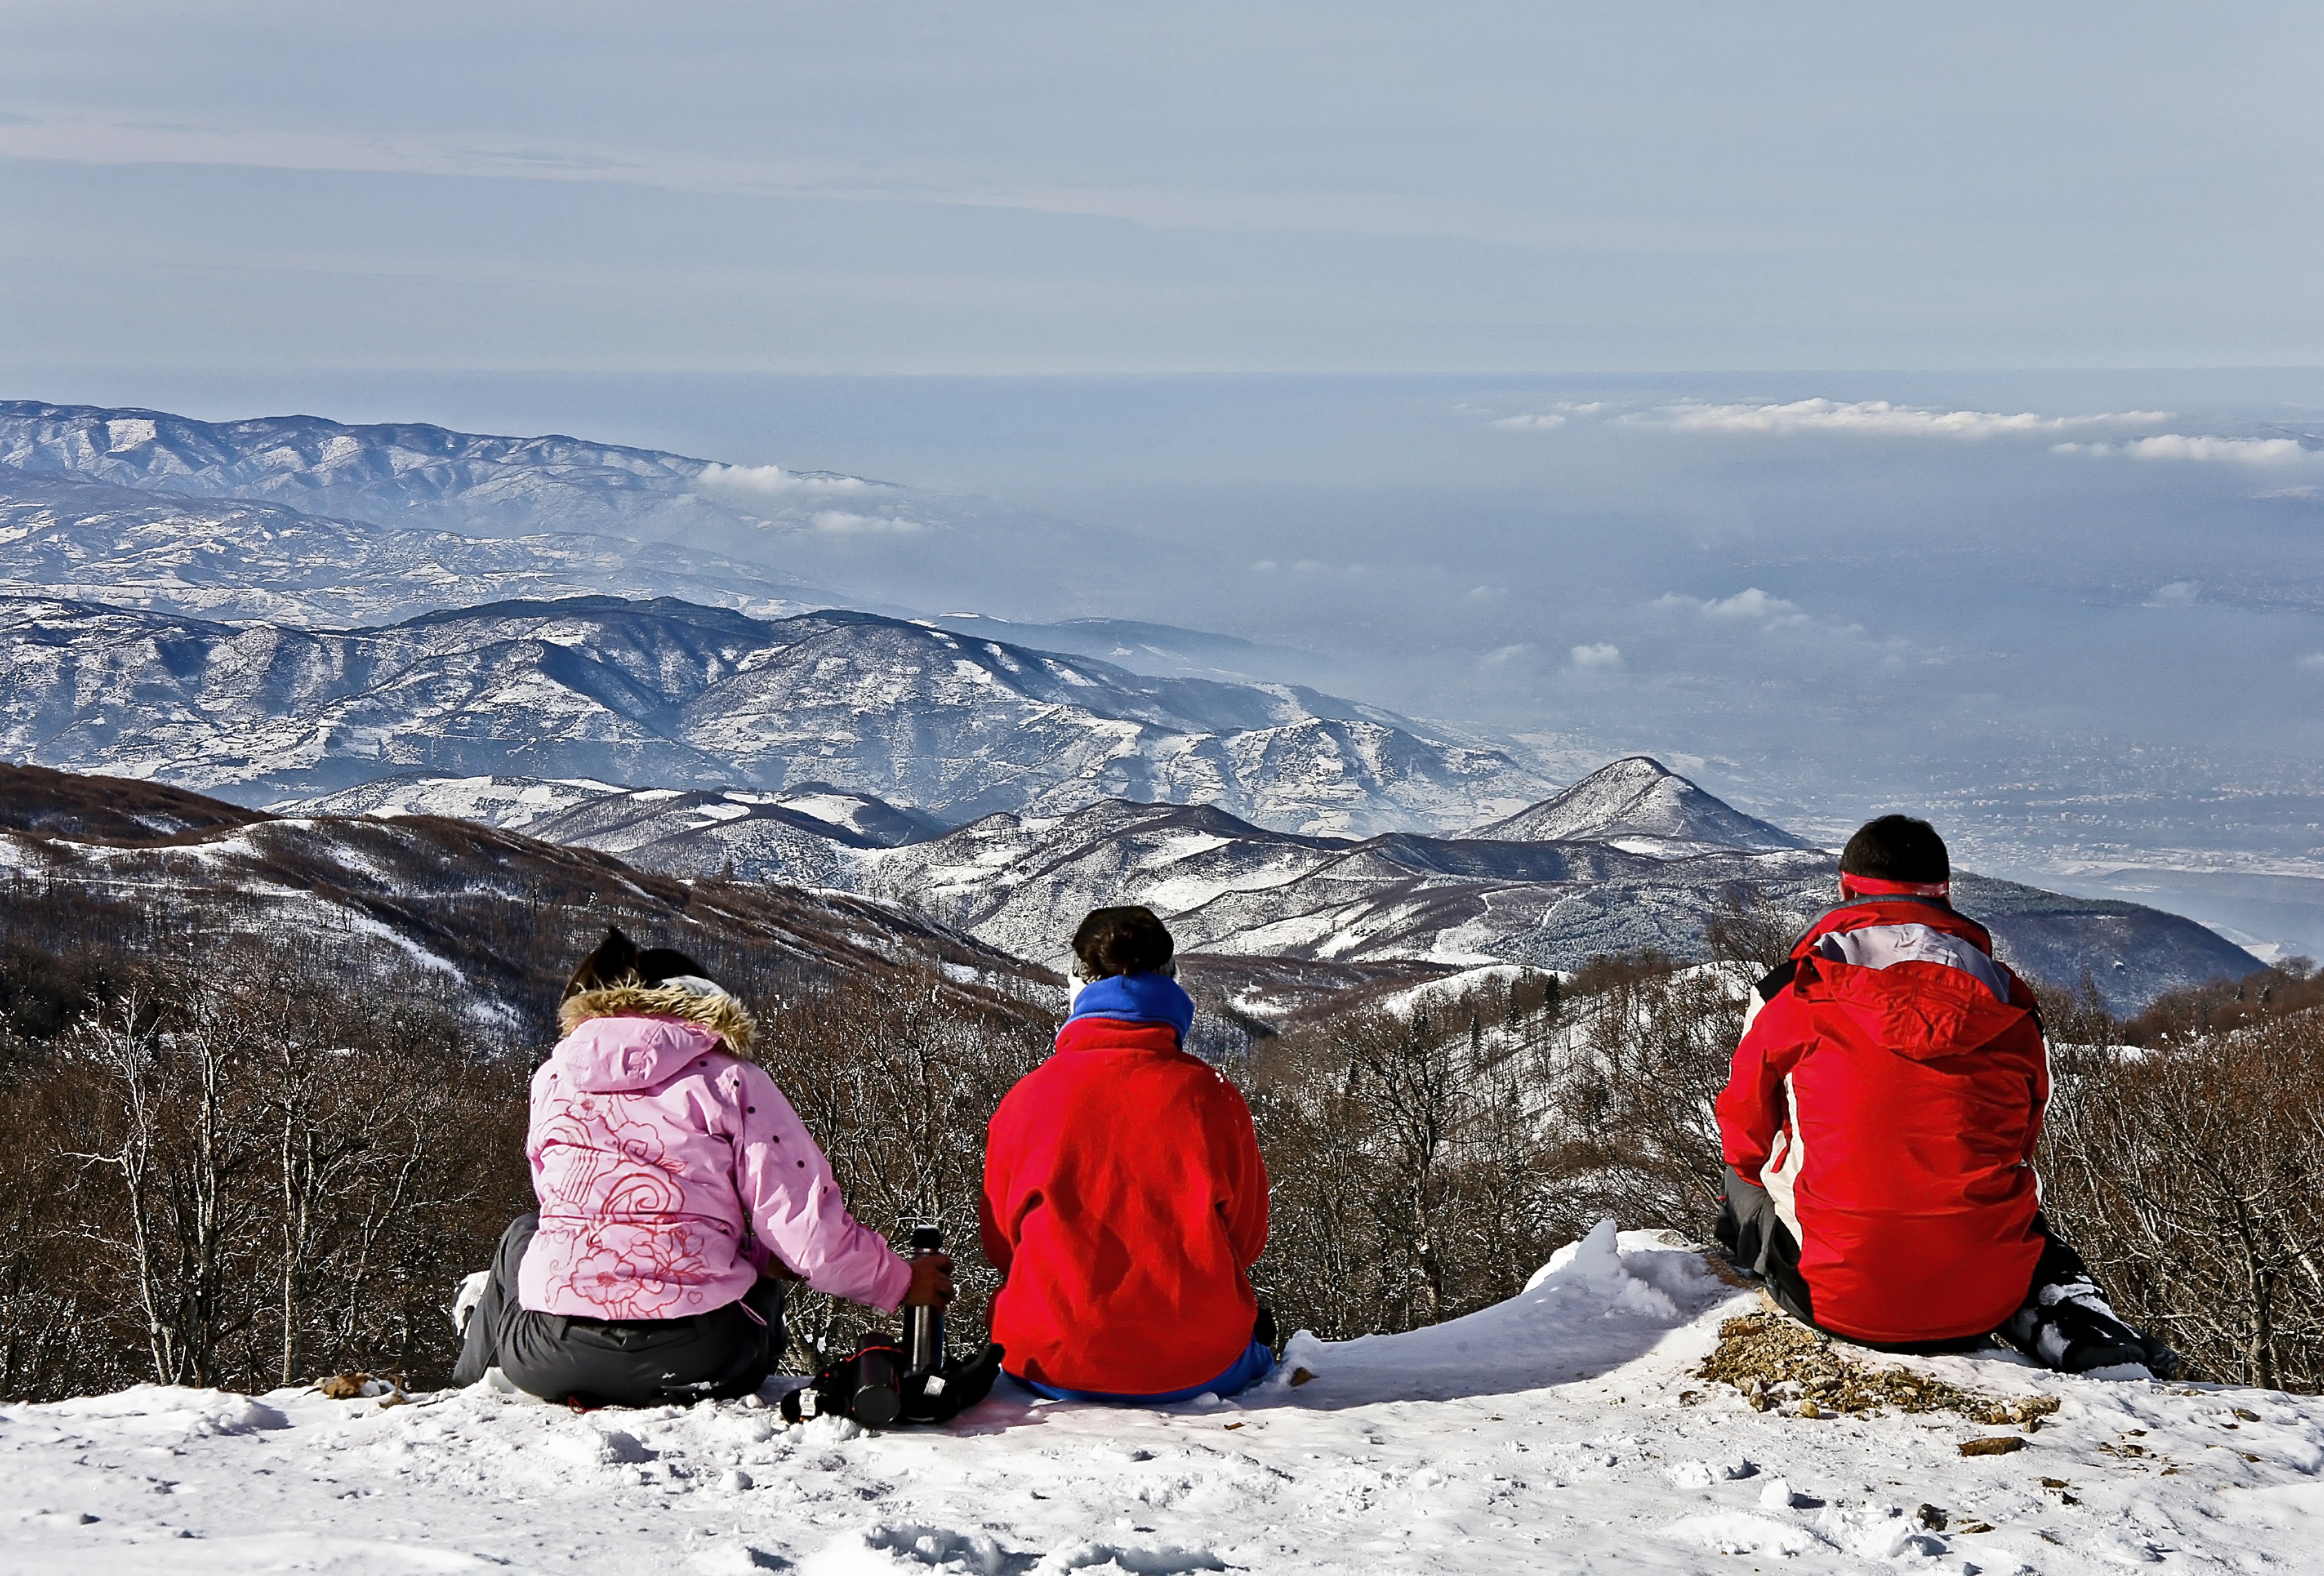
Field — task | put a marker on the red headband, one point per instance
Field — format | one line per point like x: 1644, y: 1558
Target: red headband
x: 1873, y: 887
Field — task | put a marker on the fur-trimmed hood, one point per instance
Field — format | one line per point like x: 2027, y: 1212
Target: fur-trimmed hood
x: 716, y: 1011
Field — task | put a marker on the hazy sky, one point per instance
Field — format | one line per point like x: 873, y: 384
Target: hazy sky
x: 1011, y: 187
x: 1483, y: 273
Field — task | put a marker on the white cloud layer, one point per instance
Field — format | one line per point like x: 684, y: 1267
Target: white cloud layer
x: 1876, y: 419
x: 763, y: 485
x: 1548, y: 420
x: 1601, y: 657
x: 847, y: 522
x: 1750, y: 603
x: 2179, y: 446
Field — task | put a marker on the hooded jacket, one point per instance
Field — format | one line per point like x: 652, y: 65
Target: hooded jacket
x: 1887, y: 1093
x: 672, y: 1173
x: 1126, y: 1201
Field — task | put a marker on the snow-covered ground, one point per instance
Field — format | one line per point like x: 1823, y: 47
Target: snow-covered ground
x: 1564, y: 1430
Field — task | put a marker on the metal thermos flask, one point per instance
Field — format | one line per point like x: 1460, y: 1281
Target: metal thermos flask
x: 923, y: 1327
x: 878, y: 1388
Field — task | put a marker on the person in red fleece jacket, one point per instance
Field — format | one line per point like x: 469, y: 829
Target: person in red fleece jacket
x: 1878, y: 1126
x: 1124, y: 1196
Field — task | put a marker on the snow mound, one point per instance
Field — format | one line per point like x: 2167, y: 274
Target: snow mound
x: 1738, y: 1532
x: 1704, y: 1474
x: 885, y: 1549
x: 1605, y: 1300
x: 159, y: 1412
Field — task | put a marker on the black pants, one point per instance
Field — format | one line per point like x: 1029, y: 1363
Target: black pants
x: 599, y: 1362
x: 1757, y: 1242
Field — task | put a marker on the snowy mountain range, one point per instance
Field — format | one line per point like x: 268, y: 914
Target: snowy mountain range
x: 786, y: 529
x: 676, y: 694
x: 296, y: 520
x: 401, y: 617
x: 1642, y: 858
x: 403, y: 475
x: 233, y: 559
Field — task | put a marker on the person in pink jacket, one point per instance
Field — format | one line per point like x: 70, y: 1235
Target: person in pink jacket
x: 676, y: 1184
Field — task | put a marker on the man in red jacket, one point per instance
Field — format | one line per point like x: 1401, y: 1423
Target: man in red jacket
x: 1124, y: 1196
x: 1879, y: 1127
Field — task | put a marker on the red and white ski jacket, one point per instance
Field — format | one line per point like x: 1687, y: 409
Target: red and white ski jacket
x: 1887, y: 1094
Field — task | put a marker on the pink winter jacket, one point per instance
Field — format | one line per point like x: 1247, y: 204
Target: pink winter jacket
x: 671, y: 1173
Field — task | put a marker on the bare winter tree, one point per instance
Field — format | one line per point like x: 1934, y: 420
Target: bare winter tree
x: 2193, y: 1174
x: 181, y: 1139
x: 1630, y: 1092
x: 1411, y: 1181
x: 897, y: 1083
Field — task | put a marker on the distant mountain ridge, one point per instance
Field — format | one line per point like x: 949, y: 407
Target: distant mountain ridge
x: 69, y: 537
x: 686, y: 696
x: 790, y: 526
x: 483, y: 919
x: 397, y: 474
x: 1280, y: 907
x: 297, y: 520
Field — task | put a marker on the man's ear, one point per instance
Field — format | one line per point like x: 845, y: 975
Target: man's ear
x: 614, y: 962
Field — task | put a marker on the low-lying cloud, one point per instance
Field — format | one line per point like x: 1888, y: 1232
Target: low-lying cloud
x: 2179, y: 446
x: 1599, y: 656
x: 1750, y: 603
x: 847, y: 522
x: 1874, y: 419
x: 763, y: 485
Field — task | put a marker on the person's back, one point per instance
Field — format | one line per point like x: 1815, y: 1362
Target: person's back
x: 1125, y: 1200
x: 676, y: 1183
x: 1879, y: 1124
x: 1898, y: 1103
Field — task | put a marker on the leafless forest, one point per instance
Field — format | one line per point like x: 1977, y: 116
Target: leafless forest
x: 244, y: 1166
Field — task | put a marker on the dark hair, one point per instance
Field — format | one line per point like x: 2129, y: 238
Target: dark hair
x: 1121, y: 941
x: 1896, y: 848
x: 619, y: 962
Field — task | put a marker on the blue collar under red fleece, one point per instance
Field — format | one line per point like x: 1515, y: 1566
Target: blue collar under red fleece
x: 1136, y: 999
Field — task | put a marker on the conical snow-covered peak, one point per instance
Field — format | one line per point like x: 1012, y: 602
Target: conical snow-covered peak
x: 1641, y: 805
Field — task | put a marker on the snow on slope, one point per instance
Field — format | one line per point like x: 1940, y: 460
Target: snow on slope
x: 230, y: 558
x: 676, y: 694
x: 510, y: 803
x: 1559, y: 1431
x: 1227, y: 886
x: 410, y: 475
x: 397, y: 474
x: 542, y: 808
x: 1640, y: 806
x: 1230, y: 889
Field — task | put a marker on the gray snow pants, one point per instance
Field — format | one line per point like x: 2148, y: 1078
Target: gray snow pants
x: 603, y: 1363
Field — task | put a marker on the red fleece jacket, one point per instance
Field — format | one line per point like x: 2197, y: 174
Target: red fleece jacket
x: 1125, y: 1200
